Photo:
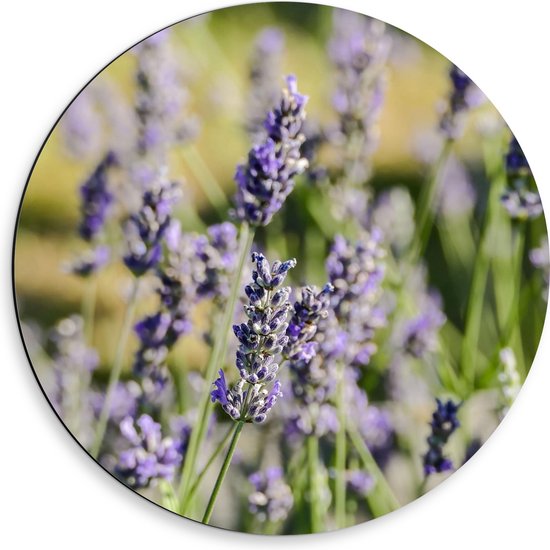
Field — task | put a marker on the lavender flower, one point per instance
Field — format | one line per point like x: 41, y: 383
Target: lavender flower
x: 420, y: 334
x: 96, y: 199
x: 356, y: 271
x: 464, y: 95
x: 81, y: 127
x: 359, y: 482
x: 457, y: 196
x: 268, y: 178
x: 444, y: 423
x: 217, y: 253
x: 90, y: 261
x: 261, y: 339
x: 265, y: 70
x: 516, y: 162
x: 150, y: 457
x: 540, y: 258
x: 394, y: 215
x: 272, y: 498
x: 520, y: 202
x: 359, y: 51
x: 160, y: 98
x: 145, y: 230
x: 157, y: 334
x: 124, y: 402
x: 308, y: 311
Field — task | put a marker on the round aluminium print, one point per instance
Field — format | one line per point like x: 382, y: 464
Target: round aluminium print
x: 281, y: 268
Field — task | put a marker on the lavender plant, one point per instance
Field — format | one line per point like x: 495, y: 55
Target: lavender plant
x: 444, y: 423
x: 261, y: 339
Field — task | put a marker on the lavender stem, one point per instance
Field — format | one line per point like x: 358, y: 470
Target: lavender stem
x: 223, y: 471
x: 381, y: 499
x: 116, y: 370
x: 216, y: 452
x: 88, y: 307
x: 216, y: 358
x: 340, y: 459
x: 314, y: 493
x: 429, y: 193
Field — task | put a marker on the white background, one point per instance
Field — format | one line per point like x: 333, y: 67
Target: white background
x: 52, y: 494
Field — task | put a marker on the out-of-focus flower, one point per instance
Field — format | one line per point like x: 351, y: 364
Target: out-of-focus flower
x: 81, y: 127
x: 261, y: 339
x: 420, y: 334
x: 307, y: 312
x: 265, y: 72
x: 358, y: 49
x: 356, y: 270
x: 217, y: 252
x: 540, y: 258
x: 521, y: 203
x: 73, y: 363
x: 394, y: 215
x: 267, y: 179
x: 457, y: 196
x: 271, y: 499
x: 519, y: 200
x: 464, y: 95
x: 359, y: 482
x: 444, y: 423
x: 510, y: 382
x: 95, y: 199
x: 124, y: 401
x: 150, y: 457
x: 516, y: 162
x: 90, y: 261
x: 145, y: 230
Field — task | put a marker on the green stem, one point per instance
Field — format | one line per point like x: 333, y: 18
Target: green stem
x: 209, y: 184
x: 314, y: 493
x: 216, y: 452
x: 223, y: 471
x: 425, y: 215
x: 216, y: 359
x: 115, y: 371
x: 340, y: 459
x: 381, y: 499
x: 476, y: 296
x: 88, y: 307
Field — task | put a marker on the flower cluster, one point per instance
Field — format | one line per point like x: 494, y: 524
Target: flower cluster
x: 272, y: 498
x: 308, y: 311
x: 521, y: 203
x: 261, y: 339
x: 518, y: 199
x: 145, y: 230
x: 359, y: 50
x: 96, y: 198
x: 150, y: 457
x: 420, y: 334
x: 356, y: 272
x: 216, y: 253
x: 160, y: 98
x: 444, y: 423
x: 265, y: 70
x: 268, y: 178
x: 464, y: 95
